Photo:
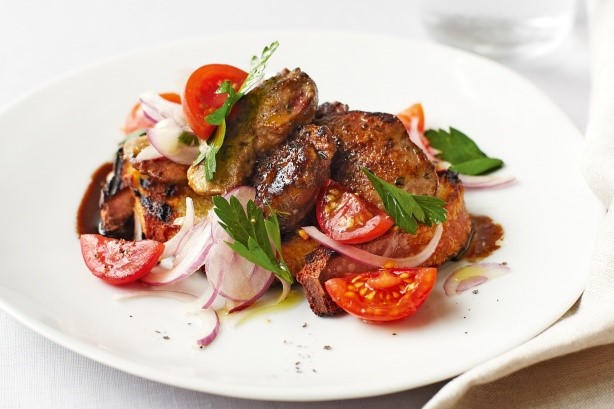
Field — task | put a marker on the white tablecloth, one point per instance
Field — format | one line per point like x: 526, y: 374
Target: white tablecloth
x: 42, y: 40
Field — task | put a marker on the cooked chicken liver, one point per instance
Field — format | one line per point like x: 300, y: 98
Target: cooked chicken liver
x: 263, y: 119
x: 288, y: 180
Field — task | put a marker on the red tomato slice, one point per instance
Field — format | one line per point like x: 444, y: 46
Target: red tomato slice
x: 383, y: 295
x: 200, y: 99
x: 413, y: 112
x: 347, y: 217
x: 119, y: 261
x: 136, y: 118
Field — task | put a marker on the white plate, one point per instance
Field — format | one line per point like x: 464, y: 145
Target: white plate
x: 56, y: 137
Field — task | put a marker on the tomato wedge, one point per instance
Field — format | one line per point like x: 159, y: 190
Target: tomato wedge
x: 136, y: 118
x: 383, y: 295
x: 200, y: 98
x: 414, y: 112
x: 348, y: 218
x: 118, y: 261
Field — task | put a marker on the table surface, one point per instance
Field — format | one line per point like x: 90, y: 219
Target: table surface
x: 40, y: 41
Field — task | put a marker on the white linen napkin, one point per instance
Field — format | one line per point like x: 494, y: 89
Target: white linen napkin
x: 571, y: 364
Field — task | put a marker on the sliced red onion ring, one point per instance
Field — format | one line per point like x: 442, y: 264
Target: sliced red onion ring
x: 211, y: 325
x: 243, y: 193
x: 188, y: 260
x: 138, y: 227
x: 421, y: 142
x: 164, y: 137
x: 157, y: 108
x: 472, y: 275
x: 486, y: 181
x: 210, y: 298
x: 148, y: 153
x: 378, y: 261
x: 285, y: 290
x: 209, y: 317
x: 235, y: 277
x: 171, y: 246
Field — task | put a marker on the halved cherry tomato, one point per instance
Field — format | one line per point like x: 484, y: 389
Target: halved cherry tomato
x: 413, y: 112
x: 200, y: 99
x: 118, y: 261
x: 383, y: 295
x: 136, y: 118
x: 347, y: 217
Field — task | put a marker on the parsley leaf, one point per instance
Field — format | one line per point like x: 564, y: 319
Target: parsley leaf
x: 222, y: 112
x: 462, y: 152
x: 209, y: 150
x: 188, y: 139
x: 256, y: 238
x: 406, y: 209
x: 218, y: 117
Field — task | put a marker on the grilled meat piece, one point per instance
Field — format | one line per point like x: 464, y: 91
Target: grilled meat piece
x: 378, y: 142
x: 263, y: 120
x: 323, y: 263
x: 117, y: 204
x: 331, y: 108
x: 289, y: 179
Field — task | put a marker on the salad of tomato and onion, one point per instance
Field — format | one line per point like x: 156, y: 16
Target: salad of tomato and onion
x: 239, y: 244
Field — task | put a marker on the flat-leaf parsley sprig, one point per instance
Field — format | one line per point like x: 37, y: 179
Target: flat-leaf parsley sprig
x: 406, y: 209
x: 208, y: 151
x: 256, y: 238
x: 461, y: 152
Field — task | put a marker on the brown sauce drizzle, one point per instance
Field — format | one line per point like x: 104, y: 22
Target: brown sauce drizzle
x: 486, y: 238
x: 88, y: 215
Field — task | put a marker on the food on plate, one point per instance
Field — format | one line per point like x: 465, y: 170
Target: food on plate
x: 324, y: 263
x: 232, y: 178
x: 262, y: 121
x: 383, y: 295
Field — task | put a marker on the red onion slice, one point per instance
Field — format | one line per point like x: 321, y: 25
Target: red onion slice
x: 148, y: 153
x: 235, y: 277
x: 472, y: 275
x: 420, y: 140
x: 157, y: 108
x: 378, y: 261
x: 171, y: 246
x: 243, y: 193
x: 165, y: 139
x: 211, y: 326
x: 210, y: 298
x: 188, y: 260
x: 486, y: 181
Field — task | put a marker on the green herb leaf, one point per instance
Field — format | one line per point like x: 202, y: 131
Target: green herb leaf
x: 406, y: 209
x: 257, y: 67
x: 188, y: 139
x: 209, y: 150
x: 218, y: 117
x: 477, y: 166
x: 222, y: 112
x: 462, y: 152
x: 253, y: 234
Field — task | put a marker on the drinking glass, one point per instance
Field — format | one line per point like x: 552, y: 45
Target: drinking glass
x: 500, y: 29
